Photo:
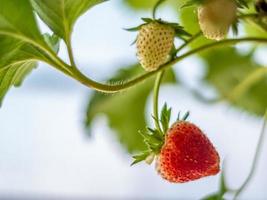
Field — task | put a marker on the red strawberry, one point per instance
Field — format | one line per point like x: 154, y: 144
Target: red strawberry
x: 187, y: 154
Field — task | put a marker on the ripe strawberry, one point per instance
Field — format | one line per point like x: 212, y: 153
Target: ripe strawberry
x: 216, y: 16
x: 183, y: 152
x: 154, y: 44
x: 187, y: 154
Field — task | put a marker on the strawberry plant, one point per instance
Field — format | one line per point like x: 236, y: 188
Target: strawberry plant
x: 209, y: 29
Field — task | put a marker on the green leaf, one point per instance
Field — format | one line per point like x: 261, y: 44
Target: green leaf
x: 140, y: 4
x: 17, y: 20
x: 189, y: 20
x: 125, y: 111
x: 53, y: 41
x: 17, y: 60
x: 61, y: 15
x: 13, y: 76
x: 227, y: 69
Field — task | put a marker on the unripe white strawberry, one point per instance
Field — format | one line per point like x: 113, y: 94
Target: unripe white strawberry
x: 154, y: 43
x: 216, y: 16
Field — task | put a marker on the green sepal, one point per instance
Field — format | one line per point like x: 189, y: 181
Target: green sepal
x: 242, y: 4
x: 179, y: 30
x: 155, y: 138
x: 165, y: 117
x: 140, y: 157
x: 191, y: 3
x: 235, y: 27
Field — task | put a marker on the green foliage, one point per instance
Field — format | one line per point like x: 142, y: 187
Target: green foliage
x: 227, y: 69
x: 165, y: 118
x: 11, y: 24
x: 15, y: 64
x: 53, y: 41
x: 61, y: 15
x: 126, y: 110
x: 140, y: 4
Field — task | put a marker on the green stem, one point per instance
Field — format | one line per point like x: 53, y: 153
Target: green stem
x: 119, y: 87
x: 156, y: 7
x: 246, y: 84
x: 189, y: 41
x: 70, y: 52
x: 255, y: 160
x: 250, y: 15
x: 156, y: 99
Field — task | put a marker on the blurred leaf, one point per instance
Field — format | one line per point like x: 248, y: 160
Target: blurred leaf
x: 256, y: 27
x: 61, y: 15
x: 126, y: 110
x: 227, y: 69
x: 189, y: 20
x: 140, y: 4
x: 17, y: 20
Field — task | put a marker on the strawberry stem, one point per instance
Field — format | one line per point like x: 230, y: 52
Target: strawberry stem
x: 155, y: 100
x: 159, y: 2
x: 256, y: 157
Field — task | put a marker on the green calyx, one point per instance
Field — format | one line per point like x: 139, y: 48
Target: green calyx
x: 179, y: 30
x: 155, y: 138
x: 240, y: 3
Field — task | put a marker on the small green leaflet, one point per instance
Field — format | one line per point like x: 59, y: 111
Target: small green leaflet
x: 53, y: 41
x: 61, y: 15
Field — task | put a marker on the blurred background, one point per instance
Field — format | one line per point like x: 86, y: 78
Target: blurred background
x: 46, y: 150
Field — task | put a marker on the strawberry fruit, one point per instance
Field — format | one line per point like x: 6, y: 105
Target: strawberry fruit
x: 187, y: 154
x: 183, y: 153
x: 154, y: 44
x: 155, y: 41
x: 216, y: 16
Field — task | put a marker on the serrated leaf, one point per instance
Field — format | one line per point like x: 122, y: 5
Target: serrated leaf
x: 61, y: 15
x: 227, y: 69
x: 125, y: 111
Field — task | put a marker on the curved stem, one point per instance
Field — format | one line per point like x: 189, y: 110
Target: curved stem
x: 70, y: 52
x: 156, y: 100
x: 156, y: 7
x: 245, y: 85
x: 119, y: 87
x: 256, y: 158
x: 189, y: 41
